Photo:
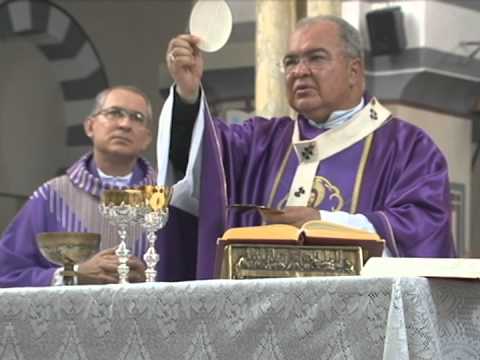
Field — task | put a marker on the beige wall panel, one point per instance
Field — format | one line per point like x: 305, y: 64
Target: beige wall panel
x: 275, y: 21
x: 324, y: 7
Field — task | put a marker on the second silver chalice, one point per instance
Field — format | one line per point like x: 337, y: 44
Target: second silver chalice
x: 121, y: 208
x: 157, y: 200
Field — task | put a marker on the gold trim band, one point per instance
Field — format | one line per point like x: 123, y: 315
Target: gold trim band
x: 360, y: 173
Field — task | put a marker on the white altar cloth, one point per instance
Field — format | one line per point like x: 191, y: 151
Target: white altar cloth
x: 303, y: 318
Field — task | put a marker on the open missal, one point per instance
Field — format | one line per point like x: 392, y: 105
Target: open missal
x: 315, y: 232
x: 318, y: 248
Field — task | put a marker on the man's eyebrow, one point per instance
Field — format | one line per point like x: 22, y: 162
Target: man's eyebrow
x: 309, y: 51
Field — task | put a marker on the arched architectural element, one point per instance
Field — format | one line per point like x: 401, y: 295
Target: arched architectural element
x: 72, y: 55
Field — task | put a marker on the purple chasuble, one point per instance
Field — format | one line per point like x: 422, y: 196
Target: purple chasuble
x: 404, y: 187
x: 70, y: 203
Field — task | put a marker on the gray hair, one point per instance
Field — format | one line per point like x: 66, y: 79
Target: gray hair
x: 350, y: 36
x: 102, y: 97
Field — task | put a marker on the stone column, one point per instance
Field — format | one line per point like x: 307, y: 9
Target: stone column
x: 324, y: 7
x: 275, y: 21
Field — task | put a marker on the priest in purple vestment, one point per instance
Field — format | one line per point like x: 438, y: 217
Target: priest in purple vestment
x: 119, y: 127
x: 344, y: 159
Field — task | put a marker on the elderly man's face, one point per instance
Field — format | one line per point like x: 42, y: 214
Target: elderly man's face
x: 325, y: 79
x: 115, y: 131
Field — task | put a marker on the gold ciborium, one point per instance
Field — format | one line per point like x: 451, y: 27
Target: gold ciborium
x: 67, y: 249
x: 121, y: 208
x: 157, y: 199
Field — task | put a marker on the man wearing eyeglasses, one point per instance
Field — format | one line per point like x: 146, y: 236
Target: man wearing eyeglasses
x: 344, y: 159
x: 120, y: 129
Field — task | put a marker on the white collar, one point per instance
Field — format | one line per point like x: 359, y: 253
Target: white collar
x: 115, y: 180
x: 338, y: 117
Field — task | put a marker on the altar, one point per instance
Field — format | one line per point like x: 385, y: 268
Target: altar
x: 299, y: 318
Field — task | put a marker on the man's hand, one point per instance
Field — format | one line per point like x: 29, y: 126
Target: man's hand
x: 99, y: 269
x: 292, y: 215
x: 102, y: 269
x: 137, y: 270
x: 185, y: 64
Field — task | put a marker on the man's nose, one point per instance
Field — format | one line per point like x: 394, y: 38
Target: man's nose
x: 125, y: 121
x: 301, y: 68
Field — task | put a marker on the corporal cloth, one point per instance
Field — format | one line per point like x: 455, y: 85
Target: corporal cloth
x: 69, y: 203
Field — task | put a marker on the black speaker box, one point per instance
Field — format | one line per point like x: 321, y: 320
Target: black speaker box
x: 386, y: 31
x: 476, y: 127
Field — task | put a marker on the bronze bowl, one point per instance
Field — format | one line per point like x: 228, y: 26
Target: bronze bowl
x: 68, y: 247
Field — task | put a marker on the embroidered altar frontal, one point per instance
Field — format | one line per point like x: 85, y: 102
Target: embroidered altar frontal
x: 250, y: 261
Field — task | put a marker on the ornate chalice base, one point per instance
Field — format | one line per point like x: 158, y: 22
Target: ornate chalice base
x: 121, y: 208
x: 157, y: 200
x: 67, y: 249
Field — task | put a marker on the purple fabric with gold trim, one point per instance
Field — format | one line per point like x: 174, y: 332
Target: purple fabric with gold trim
x: 50, y: 209
x: 404, y: 192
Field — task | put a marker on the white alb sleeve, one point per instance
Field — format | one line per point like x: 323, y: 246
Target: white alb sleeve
x: 57, y: 279
x: 357, y: 221
x: 186, y: 192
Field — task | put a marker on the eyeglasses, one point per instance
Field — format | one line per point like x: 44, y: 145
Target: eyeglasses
x: 118, y: 113
x: 313, y: 60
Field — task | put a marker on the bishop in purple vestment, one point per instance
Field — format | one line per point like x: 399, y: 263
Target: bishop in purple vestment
x: 345, y: 158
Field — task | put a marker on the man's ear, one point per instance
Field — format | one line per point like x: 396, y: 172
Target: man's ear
x: 148, y: 139
x: 356, y: 71
x: 88, y: 127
